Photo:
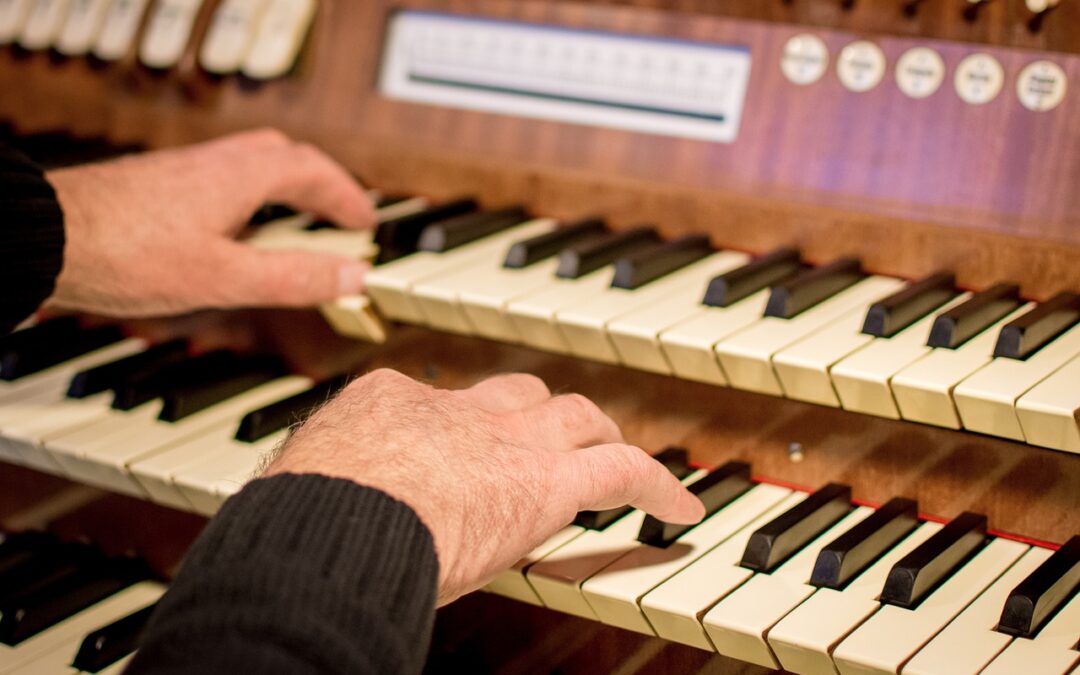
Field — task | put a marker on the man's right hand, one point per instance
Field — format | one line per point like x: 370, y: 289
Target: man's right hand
x: 492, y: 470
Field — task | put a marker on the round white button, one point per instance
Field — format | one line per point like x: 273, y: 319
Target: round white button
x: 861, y: 66
x: 979, y: 78
x: 805, y: 58
x: 919, y: 72
x: 1041, y: 85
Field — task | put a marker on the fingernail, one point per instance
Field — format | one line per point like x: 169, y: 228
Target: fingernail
x: 351, y: 278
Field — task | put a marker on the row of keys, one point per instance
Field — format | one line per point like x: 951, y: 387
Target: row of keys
x: 67, y: 608
x: 260, y: 38
x: 813, y: 583
x: 834, y: 335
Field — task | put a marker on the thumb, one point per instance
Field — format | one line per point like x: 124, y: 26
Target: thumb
x: 285, y: 278
x: 612, y: 475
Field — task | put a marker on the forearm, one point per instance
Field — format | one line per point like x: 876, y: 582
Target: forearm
x: 300, y: 574
x: 31, y: 238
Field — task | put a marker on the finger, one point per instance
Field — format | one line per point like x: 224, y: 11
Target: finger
x: 306, y: 178
x: 507, y: 393
x: 569, y: 422
x: 613, y: 475
x: 245, y: 276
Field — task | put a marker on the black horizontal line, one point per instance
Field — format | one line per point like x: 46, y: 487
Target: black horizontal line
x: 460, y: 84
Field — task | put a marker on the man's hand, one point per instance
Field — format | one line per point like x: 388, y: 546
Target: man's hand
x: 492, y: 470
x: 154, y: 234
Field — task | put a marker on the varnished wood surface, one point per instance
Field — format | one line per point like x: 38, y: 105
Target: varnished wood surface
x: 912, y: 186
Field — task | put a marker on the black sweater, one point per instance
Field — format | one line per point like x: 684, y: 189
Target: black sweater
x: 296, y: 574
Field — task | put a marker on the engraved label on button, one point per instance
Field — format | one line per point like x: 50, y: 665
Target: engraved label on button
x: 919, y: 72
x: 805, y: 59
x: 1041, y: 86
x: 979, y: 78
x: 861, y: 66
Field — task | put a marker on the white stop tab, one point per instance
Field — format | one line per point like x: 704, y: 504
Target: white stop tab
x: 979, y: 79
x: 805, y: 59
x: 861, y: 66
x: 920, y: 72
x: 1041, y: 86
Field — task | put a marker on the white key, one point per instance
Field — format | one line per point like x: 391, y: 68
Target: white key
x: 970, y: 642
x: 614, y: 592
x: 117, y: 668
x: 584, y: 324
x: 100, y: 453
x: 558, y: 577
x: 512, y: 583
x: 44, y: 24
x: 803, y: 368
x: 157, y: 473
x: 987, y: 400
x: 892, y: 636
x: 118, y: 32
x: 1050, y: 412
x: 689, y: 345
x: 31, y: 397
x: 484, y: 294
x: 533, y: 315
x: 206, y: 484
x: 1053, y: 651
x: 738, y: 624
x: 279, y: 39
x: 746, y: 356
x: 440, y: 302
x: 168, y: 32
x: 391, y: 285
x: 70, y: 632
x: 675, y: 608
x: 83, y: 26
x: 863, y: 379
x: 13, y: 15
x: 804, y: 639
x: 923, y: 390
x: 230, y: 35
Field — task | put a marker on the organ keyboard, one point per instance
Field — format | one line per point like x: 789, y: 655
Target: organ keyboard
x: 829, y: 247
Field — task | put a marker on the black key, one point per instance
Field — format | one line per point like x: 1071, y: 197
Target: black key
x: 246, y: 372
x: 54, y: 330
x: 913, y: 577
x: 36, y: 611
x: 1027, y: 334
x: 543, y: 246
x: 888, y: 317
x: 634, y: 271
x: 114, y: 374
x: 953, y: 328
x: 32, y: 356
x: 268, y: 213
x: 579, y: 260
x: 1043, y: 592
x: 20, y: 549
x: 855, y: 550
x: 716, y: 491
x: 145, y: 386
x: 449, y: 234
x: 760, y: 273
x: 779, y: 539
x: 261, y: 423
x: 50, y: 565
x: 105, y: 646
x: 677, y: 461
x: 798, y: 294
x: 398, y: 237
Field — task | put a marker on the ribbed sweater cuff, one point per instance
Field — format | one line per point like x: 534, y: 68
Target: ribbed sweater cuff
x: 31, y: 238
x: 296, y: 556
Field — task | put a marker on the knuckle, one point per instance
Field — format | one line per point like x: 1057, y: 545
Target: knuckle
x: 268, y: 136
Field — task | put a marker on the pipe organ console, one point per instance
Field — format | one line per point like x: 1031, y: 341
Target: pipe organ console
x: 822, y: 255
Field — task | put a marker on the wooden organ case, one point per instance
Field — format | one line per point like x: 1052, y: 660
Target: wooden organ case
x: 963, y: 156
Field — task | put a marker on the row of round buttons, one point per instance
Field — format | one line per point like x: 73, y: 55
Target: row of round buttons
x: 920, y: 71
